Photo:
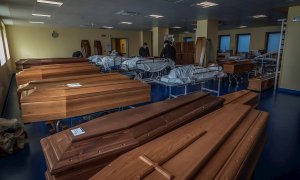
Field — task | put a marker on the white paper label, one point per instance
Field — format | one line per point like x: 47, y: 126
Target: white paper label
x: 77, y: 132
x: 74, y: 85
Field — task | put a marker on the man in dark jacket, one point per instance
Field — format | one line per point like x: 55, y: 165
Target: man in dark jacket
x: 168, y: 51
x: 144, y: 51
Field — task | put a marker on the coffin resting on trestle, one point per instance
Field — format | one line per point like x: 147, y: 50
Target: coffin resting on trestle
x: 53, y: 71
x: 27, y: 63
x: 80, y: 99
x: 106, y: 138
x: 225, y: 144
x: 55, y: 82
x: 242, y: 97
x: 262, y: 83
x: 234, y: 67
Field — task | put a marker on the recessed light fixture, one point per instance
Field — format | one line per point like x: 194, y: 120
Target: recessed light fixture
x: 207, y: 4
x: 176, y: 27
x: 242, y: 27
x: 126, y: 23
x: 259, y: 16
x: 107, y: 27
x: 155, y: 16
x: 195, y: 29
x: 296, y: 19
x: 42, y: 15
x: 36, y: 22
x: 186, y: 32
x: 50, y: 2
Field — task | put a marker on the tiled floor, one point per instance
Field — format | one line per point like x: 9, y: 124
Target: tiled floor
x: 280, y: 158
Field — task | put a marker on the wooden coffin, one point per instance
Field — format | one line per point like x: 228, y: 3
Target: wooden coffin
x: 242, y: 97
x: 217, y: 146
x: 261, y: 83
x: 106, y: 138
x: 63, y: 102
x: 53, y: 71
x: 84, y: 79
x: 30, y: 62
x: 200, y: 50
x: 234, y: 67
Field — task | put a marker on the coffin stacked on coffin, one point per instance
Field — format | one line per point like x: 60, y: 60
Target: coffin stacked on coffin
x: 54, y: 103
x: 225, y: 144
x: 61, y: 81
x: 54, y: 71
x: 27, y: 63
x: 242, y: 97
x: 106, y: 138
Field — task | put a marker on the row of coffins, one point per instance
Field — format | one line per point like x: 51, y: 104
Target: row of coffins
x: 54, y: 71
x: 82, y: 151
x: 225, y: 144
x: 30, y: 62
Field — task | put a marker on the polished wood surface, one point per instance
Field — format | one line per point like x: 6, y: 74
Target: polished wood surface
x: 107, y: 137
x: 216, y: 146
x: 61, y: 102
x: 261, y: 83
x: 242, y: 97
x: 200, y: 51
x: 233, y: 67
x: 55, y: 71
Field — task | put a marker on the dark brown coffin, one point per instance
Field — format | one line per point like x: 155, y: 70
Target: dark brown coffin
x: 217, y: 146
x: 27, y: 63
x: 62, y: 102
x: 242, y: 97
x: 261, y: 83
x: 55, y: 82
x: 234, y: 67
x: 55, y: 71
x: 106, y: 138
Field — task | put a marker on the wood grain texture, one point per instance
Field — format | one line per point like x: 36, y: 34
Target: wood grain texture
x: 242, y: 97
x: 221, y: 152
x: 261, y: 83
x: 233, y: 67
x: 106, y: 138
x: 62, y: 102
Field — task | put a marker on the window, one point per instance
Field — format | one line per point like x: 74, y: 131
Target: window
x: 188, y: 39
x: 224, y: 43
x: 273, y: 40
x: 243, y: 43
x: 2, y: 48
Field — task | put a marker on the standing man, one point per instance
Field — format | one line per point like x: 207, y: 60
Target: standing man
x: 168, y: 51
x: 144, y: 50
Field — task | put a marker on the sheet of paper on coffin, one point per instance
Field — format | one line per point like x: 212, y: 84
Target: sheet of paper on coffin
x: 83, y: 79
x: 234, y: 67
x: 106, y: 138
x: 242, y: 97
x: 27, y: 63
x: 262, y: 83
x: 78, y: 99
x: 224, y: 144
x: 53, y: 71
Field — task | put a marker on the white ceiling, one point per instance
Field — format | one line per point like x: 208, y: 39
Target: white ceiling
x: 74, y: 13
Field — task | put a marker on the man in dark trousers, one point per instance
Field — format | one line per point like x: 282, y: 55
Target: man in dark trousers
x: 144, y: 51
x: 168, y: 51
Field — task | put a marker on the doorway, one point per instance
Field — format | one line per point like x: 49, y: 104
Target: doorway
x: 120, y: 45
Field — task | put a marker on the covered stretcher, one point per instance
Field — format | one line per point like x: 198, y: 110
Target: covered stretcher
x: 106, y: 62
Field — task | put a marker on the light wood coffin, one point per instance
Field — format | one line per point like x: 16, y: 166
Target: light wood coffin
x: 106, y: 138
x: 234, y: 67
x: 56, y: 82
x: 220, y: 145
x: 30, y: 62
x: 54, y: 71
x: 64, y: 102
x: 242, y: 97
x: 262, y: 83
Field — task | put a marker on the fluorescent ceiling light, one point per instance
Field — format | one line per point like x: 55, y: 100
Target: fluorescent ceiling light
x: 259, y: 16
x: 176, y: 27
x: 36, y: 22
x: 50, y: 2
x: 195, y: 29
x: 126, y: 22
x: 186, y: 32
x: 207, y: 4
x: 107, y: 27
x: 42, y: 15
x: 242, y: 26
x: 296, y: 19
x: 156, y: 16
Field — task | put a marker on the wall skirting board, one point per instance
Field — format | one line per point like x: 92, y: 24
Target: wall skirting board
x: 289, y: 91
